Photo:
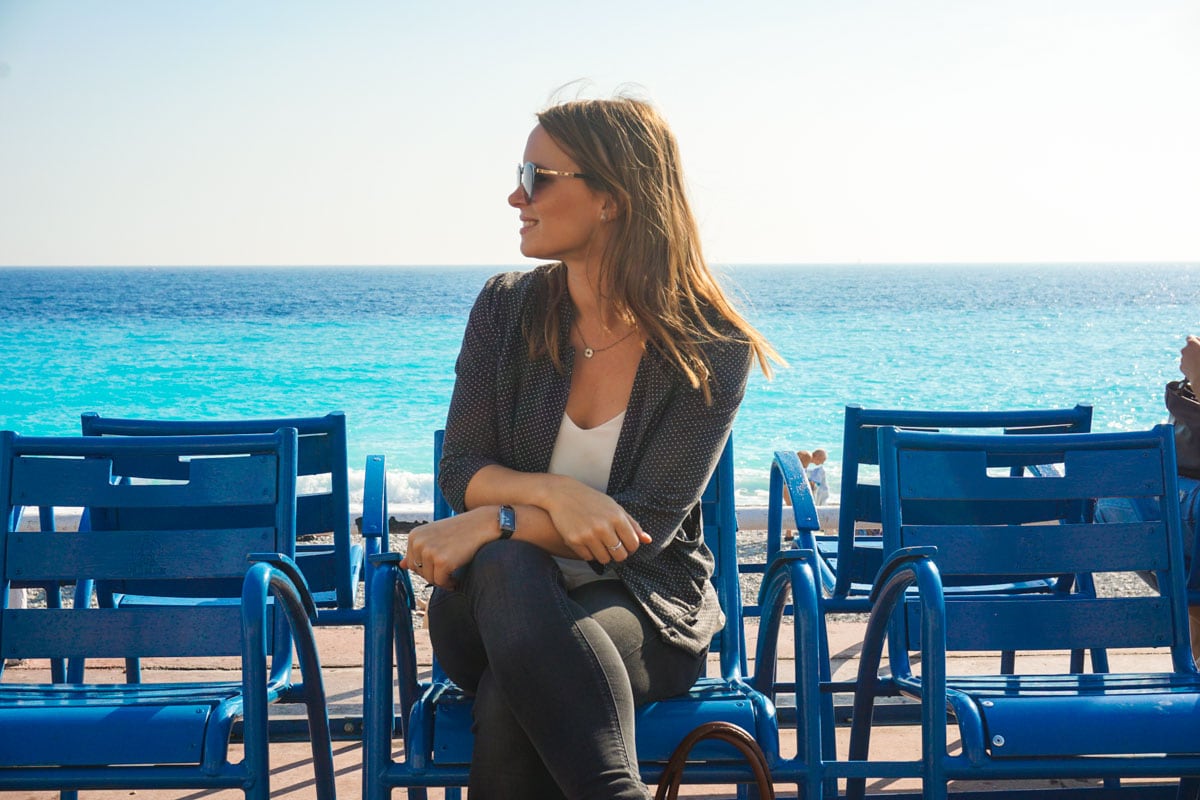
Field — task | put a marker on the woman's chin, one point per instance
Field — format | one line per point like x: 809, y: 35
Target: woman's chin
x: 531, y: 250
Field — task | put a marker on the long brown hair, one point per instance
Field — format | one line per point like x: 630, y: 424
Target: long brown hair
x: 652, y: 270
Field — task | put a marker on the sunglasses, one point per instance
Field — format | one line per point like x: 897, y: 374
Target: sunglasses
x: 528, y: 173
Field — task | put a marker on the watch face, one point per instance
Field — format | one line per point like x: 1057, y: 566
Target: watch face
x: 508, y: 521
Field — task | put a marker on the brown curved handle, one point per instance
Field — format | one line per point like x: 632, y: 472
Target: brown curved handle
x: 668, y: 785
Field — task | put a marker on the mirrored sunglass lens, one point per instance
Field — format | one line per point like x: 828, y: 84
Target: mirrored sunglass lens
x: 527, y: 173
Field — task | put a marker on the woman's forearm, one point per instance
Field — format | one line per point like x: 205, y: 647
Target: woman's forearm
x: 535, y: 526
x: 565, y: 516
x: 497, y: 485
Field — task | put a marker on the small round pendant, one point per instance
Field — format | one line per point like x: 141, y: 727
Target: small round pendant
x: 588, y: 352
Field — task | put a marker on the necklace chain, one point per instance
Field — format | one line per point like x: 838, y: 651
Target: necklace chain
x: 588, y: 352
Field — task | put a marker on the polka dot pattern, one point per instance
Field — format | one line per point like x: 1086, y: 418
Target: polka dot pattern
x: 506, y: 409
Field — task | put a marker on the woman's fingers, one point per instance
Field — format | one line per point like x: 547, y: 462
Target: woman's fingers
x: 615, y: 541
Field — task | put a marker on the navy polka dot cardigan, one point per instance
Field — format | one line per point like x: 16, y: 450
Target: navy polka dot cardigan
x: 506, y: 409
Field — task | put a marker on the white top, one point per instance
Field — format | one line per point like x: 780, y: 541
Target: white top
x: 816, y: 474
x: 585, y: 455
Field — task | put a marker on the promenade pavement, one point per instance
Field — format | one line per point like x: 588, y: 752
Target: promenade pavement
x: 341, y: 655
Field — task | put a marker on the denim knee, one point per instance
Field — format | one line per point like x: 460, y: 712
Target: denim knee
x: 506, y: 572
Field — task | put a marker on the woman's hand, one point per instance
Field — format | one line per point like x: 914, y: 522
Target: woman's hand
x: 436, y: 550
x: 593, y: 525
x: 1189, y: 360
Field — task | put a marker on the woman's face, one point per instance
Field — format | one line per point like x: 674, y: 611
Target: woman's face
x: 563, y: 220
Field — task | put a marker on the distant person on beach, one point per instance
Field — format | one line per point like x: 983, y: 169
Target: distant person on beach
x: 1183, y: 407
x: 593, y: 397
x: 817, y: 479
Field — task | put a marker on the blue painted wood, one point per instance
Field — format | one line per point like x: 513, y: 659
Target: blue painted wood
x: 853, y: 560
x: 1032, y: 725
x: 80, y: 735
x: 974, y: 482
x: 1068, y: 623
x: 434, y: 716
x: 174, y: 631
x: 217, y: 553
x: 333, y: 571
x: 1026, y: 549
x: 143, y: 736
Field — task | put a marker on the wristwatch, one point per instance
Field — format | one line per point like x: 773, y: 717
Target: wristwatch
x: 508, y: 522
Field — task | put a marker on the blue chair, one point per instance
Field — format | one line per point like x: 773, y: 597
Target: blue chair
x: 1029, y: 726
x: 332, y: 570
x: 157, y: 536
x: 435, y: 720
x: 849, y: 561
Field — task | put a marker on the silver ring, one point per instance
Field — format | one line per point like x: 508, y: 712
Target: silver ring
x: 617, y: 546
x: 419, y: 564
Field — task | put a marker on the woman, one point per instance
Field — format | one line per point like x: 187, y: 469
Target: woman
x: 593, y: 398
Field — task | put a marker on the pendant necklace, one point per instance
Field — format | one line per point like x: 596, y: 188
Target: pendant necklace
x: 588, y: 352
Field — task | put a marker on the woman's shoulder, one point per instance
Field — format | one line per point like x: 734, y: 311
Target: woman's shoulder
x: 723, y: 339
x: 520, y: 282
x: 505, y: 294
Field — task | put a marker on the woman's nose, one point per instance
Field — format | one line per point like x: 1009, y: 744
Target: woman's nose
x: 516, y: 198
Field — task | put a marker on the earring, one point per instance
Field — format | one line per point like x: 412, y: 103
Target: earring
x: 604, y: 216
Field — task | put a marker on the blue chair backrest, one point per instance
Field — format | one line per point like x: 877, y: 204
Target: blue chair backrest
x: 961, y: 473
x: 860, y: 502
x: 321, y: 451
x: 717, y: 505
x: 143, y: 533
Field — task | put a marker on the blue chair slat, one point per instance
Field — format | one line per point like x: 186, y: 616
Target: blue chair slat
x: 136, y: 554
x: 177, y: 632
x: 1023, y: 726
x: 332, y: 570
x: 145, y: 736
x: 435, y: 716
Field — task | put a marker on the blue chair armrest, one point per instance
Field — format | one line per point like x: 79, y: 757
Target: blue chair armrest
x: 904, y: 568
x: 392, y: 557
x: 278, y: 575
x: 786, y: 470
x: 374, y: 513
x: 898, y: 560
x: 292, y: 571
x: 792, y: 572
x: 375, y: 504
x: 389, y: 631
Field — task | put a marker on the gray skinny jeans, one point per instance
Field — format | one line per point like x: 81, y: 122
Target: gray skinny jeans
x: 556, y: 675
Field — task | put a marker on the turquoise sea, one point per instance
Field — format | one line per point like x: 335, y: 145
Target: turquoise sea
x: 379, y: 344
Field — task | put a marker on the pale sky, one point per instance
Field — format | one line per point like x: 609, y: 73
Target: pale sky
x: 198, y: 132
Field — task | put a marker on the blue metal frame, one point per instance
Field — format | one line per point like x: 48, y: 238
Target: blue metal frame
x: 157, y: 735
